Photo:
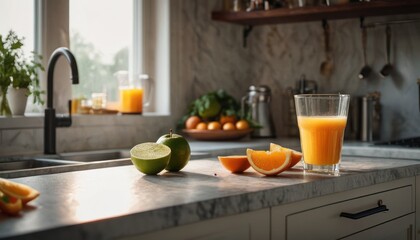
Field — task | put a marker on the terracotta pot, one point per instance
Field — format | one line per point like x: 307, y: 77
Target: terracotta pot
x: 17, y: 99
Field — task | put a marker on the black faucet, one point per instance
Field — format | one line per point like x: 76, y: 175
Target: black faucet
x: 51, y: 121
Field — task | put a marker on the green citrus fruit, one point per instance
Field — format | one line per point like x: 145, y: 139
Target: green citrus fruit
x: 180, y: 151
x: 150, y: 158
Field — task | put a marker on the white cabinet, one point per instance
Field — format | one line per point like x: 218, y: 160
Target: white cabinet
x: 322, y: 218
x: 382, y: 211
x: 252, y: 226
x: 417, y: 207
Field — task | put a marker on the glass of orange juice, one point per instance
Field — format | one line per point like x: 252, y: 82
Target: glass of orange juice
x: 322, y: 119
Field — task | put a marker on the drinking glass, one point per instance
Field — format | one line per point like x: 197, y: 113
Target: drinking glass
x: 322, y: 119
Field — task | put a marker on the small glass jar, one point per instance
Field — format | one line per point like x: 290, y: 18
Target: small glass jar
x: 98, y: 101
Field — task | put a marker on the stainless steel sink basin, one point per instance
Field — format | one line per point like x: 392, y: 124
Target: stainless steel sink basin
x: 19, y: 164
x: 93, y: 156
x: 104, y: 155
x: 26, y: 166
x: 67, y: 162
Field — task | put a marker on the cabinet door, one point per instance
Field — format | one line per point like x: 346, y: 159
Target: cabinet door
x: 321, y: 218
x: 401, y: 228
x: 326, y: 222
x: 252, y: 226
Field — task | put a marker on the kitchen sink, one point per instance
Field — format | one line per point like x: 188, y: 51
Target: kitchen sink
x: 27, y: 166
x: 66, y: 162
x: 29, y: 163
x: 93, y: 156
x: 104, y: 155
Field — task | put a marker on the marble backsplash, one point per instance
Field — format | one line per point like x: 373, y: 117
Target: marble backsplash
x: 211, y: 56
x: 278, y: 55
x: 282, y: 53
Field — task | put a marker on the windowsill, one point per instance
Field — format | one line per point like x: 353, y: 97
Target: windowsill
x: 37, y: 120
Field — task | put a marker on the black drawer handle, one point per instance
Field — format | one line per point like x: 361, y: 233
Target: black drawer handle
x: 378, y: 209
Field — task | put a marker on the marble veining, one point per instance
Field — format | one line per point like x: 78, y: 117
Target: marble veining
x: 129, y: 203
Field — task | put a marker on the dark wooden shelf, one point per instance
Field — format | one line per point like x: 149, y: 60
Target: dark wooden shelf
x: 306, y: 14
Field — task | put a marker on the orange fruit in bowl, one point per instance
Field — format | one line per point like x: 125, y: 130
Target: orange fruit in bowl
x: 201, y: 126
x: 227, y: 119
x: 214, y: 126
x: 242, y: 124
x: 269, y: 163
x: 192, y: 122
x: 228, y: 126
x: 296, y: 156
x: 18, y: 190
x: 235, y: 164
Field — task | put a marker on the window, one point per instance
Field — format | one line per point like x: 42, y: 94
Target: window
x: 100, y: 38
x: 19, y: 16
x: 109, y: 36
x: 105, y: 36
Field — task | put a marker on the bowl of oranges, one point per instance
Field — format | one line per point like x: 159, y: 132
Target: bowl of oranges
x: 223, y: 128
x: 215, y: 116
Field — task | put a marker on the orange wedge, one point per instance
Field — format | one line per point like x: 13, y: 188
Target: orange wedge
x: 296, y: 156
x: 235, y: 164
x: 269, y: 163
x: 10, y: 205
x: 18, y: 190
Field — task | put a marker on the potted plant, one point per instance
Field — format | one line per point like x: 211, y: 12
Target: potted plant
x: 18, y: 75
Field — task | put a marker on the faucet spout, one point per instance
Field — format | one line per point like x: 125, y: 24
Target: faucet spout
x: 51, y: 66
x: 51, y: 121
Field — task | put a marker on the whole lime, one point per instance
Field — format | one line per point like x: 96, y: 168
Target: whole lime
x: 180, y: 151
x: 150, y: 158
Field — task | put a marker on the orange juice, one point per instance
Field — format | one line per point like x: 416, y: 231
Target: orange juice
x: 321, y: 138
x: 131, y: 100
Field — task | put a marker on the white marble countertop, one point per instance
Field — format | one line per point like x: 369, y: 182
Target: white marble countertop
x: 120, y: 201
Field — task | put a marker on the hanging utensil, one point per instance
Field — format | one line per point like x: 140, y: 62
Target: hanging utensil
x: 418, y: 83
x: 387, y: 69
x: 366, y: 70
x: 327, y: 66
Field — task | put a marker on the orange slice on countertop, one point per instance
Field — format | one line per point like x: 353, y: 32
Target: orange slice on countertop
x: 235, y: 163
x: 18, y: 190
x: 269, y: 163
x: 296, y: 156
x: 10, y: 205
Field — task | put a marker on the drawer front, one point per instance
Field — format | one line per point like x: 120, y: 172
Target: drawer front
x: 400, y: 228
x: 325, y: 222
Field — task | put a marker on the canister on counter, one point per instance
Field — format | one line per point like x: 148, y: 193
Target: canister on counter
x: 370, y: 117
x: 364, y: 118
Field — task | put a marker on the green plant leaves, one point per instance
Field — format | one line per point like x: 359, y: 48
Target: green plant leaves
x: 16, y: 70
